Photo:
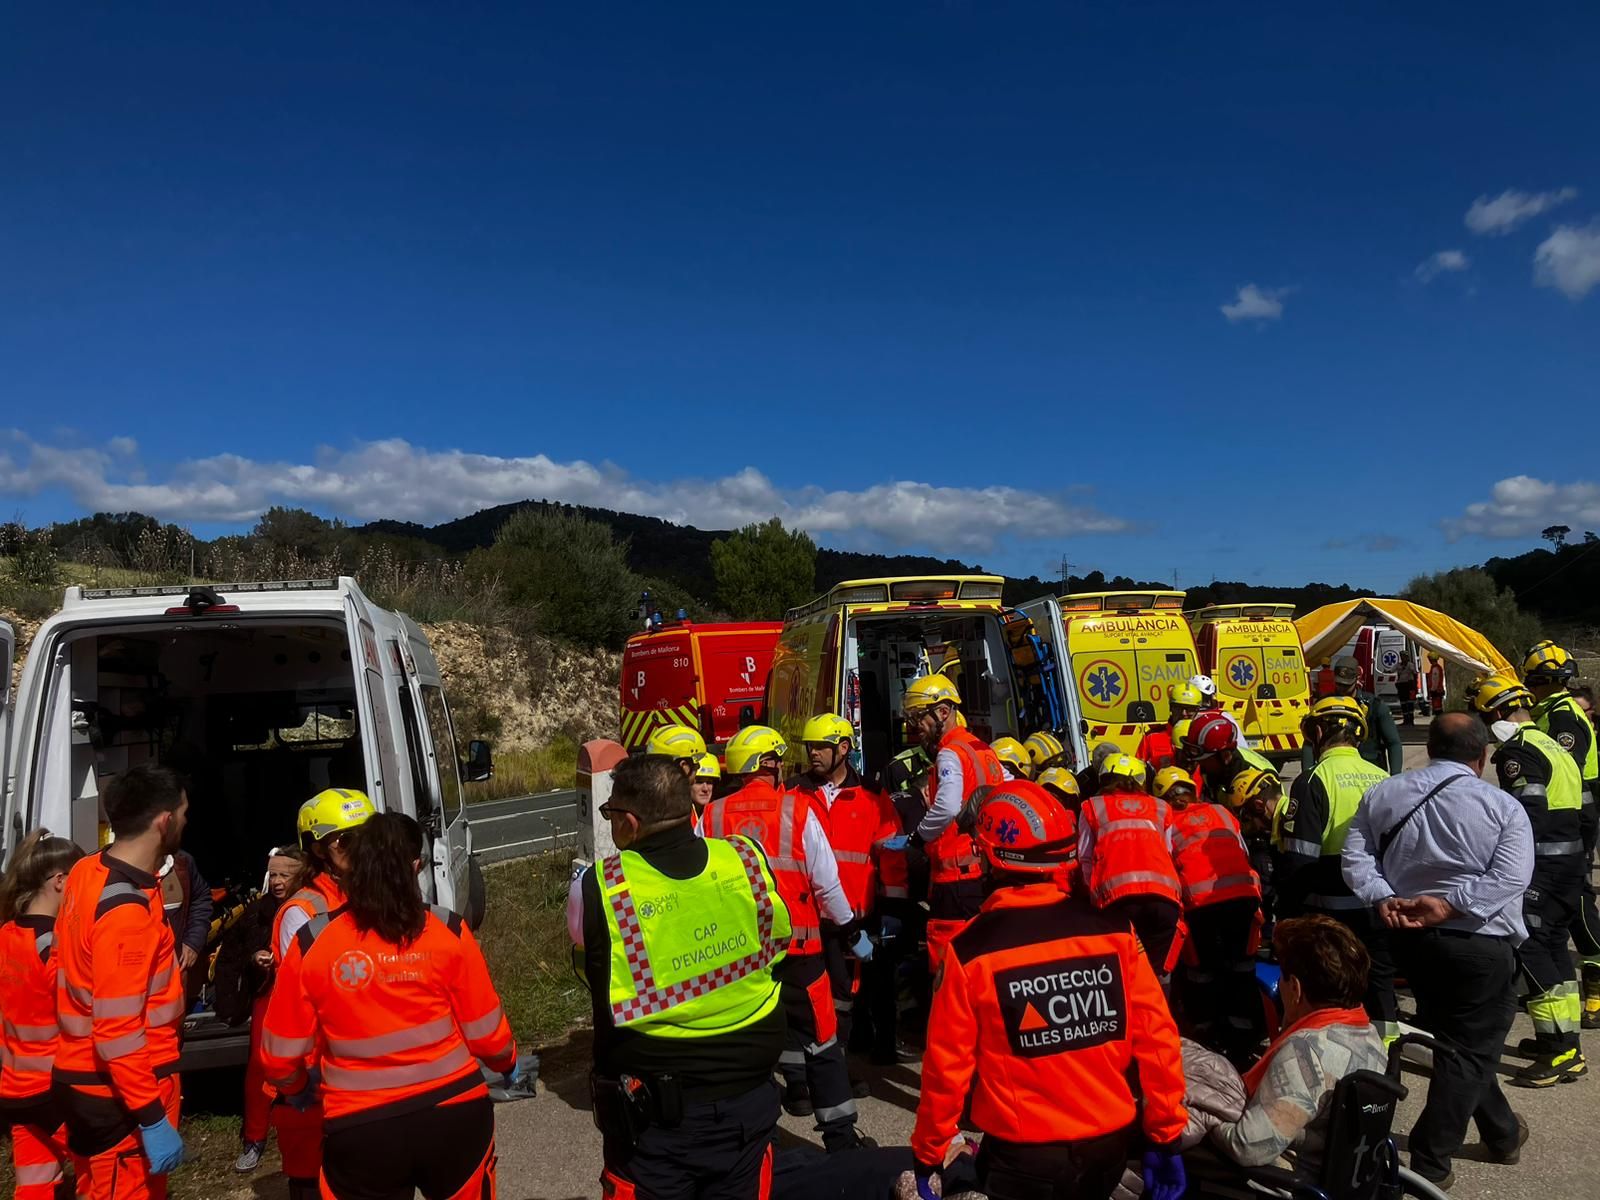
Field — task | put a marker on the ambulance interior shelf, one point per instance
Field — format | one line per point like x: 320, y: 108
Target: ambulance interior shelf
x: 890, y: 651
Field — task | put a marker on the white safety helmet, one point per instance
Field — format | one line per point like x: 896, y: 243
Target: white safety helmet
x: 1205, y: 685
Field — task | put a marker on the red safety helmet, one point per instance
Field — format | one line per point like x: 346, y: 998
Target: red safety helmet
x: 1210, y: 733
x: 1024, y: 829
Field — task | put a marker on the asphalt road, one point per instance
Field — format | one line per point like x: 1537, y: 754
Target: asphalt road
x: 521, y: 825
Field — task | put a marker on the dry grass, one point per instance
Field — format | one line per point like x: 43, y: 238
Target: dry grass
x: 524, y: 938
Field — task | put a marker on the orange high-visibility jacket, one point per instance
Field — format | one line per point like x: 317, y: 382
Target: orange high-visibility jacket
x: 1043, y: 1006
x: 953, y: 856
x: 28, y: 1004
x: 1123, y: 840
x: 858, y: 822
x: 1211, y: 858
x: 1155, y: 750
x: 119, y: 999
x: 393, y: 1028
x: 775, y: 819
x: 319, y: 897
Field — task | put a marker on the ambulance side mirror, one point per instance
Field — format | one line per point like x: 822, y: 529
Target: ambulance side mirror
x: 480, y: 762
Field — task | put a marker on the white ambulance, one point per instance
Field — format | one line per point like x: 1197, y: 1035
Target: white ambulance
x: 262, y: 694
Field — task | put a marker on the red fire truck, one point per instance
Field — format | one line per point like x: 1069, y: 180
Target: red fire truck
x: 708, y: 677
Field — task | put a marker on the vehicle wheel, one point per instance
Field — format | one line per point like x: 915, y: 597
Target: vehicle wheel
x: 477, y: 895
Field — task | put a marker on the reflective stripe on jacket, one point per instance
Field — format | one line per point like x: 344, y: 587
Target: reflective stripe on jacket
x: 394, y: 1028
x: 775, y: 819
x: 319, y: 897
x: 28, y: 1006
x: 693, y: 957
x: 858, y: 821
x: 1123, y: 847
x: 953, y: 856
x: 1044, y: 1006
x: 1213, y: 864
x: 119, y: 993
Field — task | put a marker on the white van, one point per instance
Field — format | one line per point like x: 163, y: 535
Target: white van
x: 262, y: 694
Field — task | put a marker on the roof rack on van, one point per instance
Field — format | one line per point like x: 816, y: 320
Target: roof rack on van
x: 183, y: 589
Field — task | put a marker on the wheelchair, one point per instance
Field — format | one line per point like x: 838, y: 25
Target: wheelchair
x: 1361, y: 1161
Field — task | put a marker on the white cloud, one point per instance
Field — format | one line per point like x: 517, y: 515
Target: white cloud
x: 1511, y: 208
x: 1569, y: 260
x: 1522, y: 506
x: 398, y: 480
x: 1438, y: 263
x: 1256, y: 304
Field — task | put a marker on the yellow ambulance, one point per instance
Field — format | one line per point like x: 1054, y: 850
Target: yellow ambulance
x: 854, y: 649
x: 1120, y: 652
x: 1253, y: 652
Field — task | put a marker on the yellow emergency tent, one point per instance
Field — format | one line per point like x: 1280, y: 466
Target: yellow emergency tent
x: 1329, y: 629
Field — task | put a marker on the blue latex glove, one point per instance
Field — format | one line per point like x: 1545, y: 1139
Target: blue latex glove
x: 1164, y: 1177
x: 898, y: 842
x: 862, y: 947
x: 926, y: 1188
x: 162, y: 1146
x: 307, y: 1096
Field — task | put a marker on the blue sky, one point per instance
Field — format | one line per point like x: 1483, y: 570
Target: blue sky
x: 1245, y: 292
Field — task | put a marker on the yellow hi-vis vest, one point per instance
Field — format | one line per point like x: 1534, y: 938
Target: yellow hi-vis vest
x: 693, y: 957
x: 1255, y: 760
x: 1590, y: 767
x: 1345, y: 777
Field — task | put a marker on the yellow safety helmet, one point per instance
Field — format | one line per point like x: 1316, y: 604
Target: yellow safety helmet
x: 708, y: 767
x: 676, y: 741
x: 1124, y: 766
x: 927, y: 690
x: 1061, y: 779
x: 332, y: 811
x: 1180, y: 732
x: 1548, y: 663
x: 1248, y: 785
x: 1341, y: 712
x: 1042, y: 747
x: 1014, y: 754
x: 1494, y: 692
x: 827, y: 729
x: 1171, y: 777
x: 1185, y: 695
x: 750, y: 745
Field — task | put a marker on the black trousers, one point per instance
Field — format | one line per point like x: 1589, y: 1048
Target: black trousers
x: 1083, y: 1170
x: 1155, y: 919
x: 721, y: 1150
x: 1586, y: 929
x: 1550, y: 910
x: 1380, y: 1001
x: 876, y: 1013
x: 1220, y: 999
x: 806, y: 991
x: 436, y: 1151
x: 1464, y: 985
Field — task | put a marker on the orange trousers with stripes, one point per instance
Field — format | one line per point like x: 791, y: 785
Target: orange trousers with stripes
x: 39, y: 1159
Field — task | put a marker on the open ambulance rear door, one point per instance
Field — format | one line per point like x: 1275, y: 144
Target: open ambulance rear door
x: 442, y: 812
x: 1045, y: 614
x: 8, y: 648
